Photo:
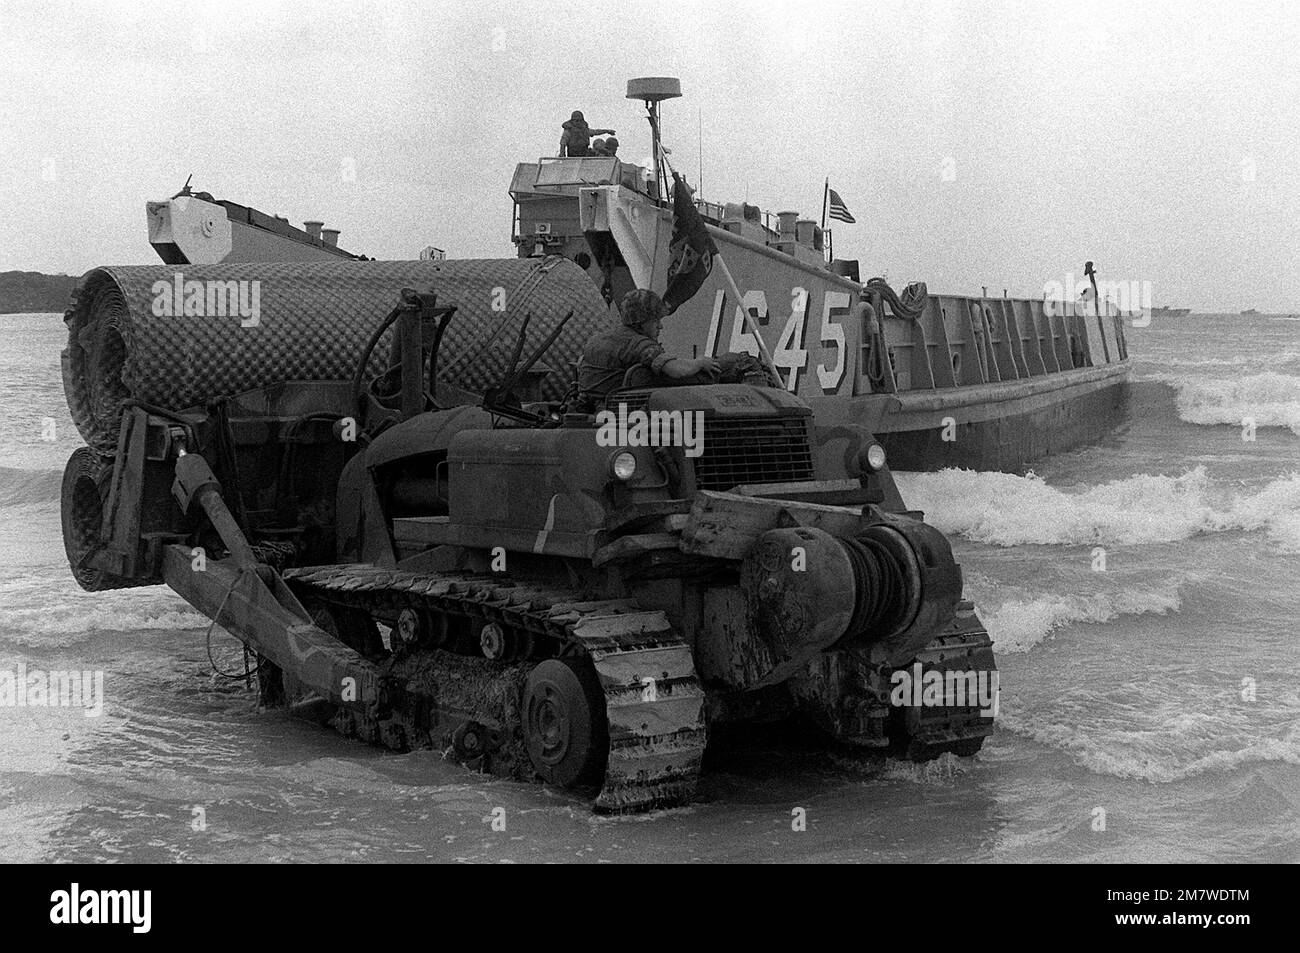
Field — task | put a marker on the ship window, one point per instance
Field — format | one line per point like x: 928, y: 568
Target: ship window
x: 956, y: 367
x: 578, y: 171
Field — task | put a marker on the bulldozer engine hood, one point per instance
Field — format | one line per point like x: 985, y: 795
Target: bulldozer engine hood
x: 725, y: 400
x: 426, y: 433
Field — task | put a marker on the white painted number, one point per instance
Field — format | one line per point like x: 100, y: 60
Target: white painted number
x: 833, y: 334
x: 790, y: 352
x: 742, y: 342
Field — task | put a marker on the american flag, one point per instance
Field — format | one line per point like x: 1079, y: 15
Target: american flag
x: 838, y: 210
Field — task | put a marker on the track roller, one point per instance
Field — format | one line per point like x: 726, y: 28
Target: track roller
x: 565, y: 726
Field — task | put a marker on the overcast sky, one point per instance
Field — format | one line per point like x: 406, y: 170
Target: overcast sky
x: 977, y: 144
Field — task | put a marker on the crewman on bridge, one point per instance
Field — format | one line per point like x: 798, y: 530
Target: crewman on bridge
x: 634, y: 343
x: 605, y: 147
x: 576, y: 138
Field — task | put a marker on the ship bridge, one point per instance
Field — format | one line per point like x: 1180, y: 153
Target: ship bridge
x: 547, y: 217
x: 546, y: 192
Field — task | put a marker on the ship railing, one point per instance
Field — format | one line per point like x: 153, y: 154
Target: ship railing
x: 962, y: 341
x: 713, y: 211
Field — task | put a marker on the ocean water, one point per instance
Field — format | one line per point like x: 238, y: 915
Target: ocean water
x: 1149, y: 712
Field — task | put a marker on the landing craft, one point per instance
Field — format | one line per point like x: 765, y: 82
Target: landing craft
x: 193, y: 228
x: 942, y: 380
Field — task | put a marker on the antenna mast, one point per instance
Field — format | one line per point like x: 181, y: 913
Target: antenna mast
x: 652, y: 90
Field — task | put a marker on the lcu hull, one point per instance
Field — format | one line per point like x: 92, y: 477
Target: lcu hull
x: 1004, y: 426
x: 980, y: 383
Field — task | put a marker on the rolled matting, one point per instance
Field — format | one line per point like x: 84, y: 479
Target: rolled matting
x: 314, y: 318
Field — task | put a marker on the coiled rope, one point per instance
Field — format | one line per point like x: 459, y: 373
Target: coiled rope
x: 912, y: 303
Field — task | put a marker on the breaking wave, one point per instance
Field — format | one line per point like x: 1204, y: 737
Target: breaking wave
x: 76, y: 621
x: 942, y: 771
x: 1017, y: 625
x: 1270, y: 399
x: 1276, y: 359
x: 1160, y: 756
x: 44, y: 612
x: 1004, y: 509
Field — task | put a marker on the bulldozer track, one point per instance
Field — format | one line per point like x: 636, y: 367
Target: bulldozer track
x: 654, y: 703
x: 961, y: 646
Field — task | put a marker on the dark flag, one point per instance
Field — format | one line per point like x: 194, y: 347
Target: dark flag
x: 691, y: 250
x: 838, y: 210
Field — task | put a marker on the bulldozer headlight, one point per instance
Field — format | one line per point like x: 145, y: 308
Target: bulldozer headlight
x: 874, y: 458
x: 622, y: 465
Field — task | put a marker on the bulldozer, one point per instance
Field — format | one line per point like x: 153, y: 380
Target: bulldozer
x: 545, y: 589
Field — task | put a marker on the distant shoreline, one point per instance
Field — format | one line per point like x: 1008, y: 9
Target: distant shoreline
x: 31, y: 292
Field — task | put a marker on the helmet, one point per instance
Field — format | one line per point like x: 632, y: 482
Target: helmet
x: 641, y: 305
x: 577, y: 116
x: 611, y: 144
x: 598, y: 145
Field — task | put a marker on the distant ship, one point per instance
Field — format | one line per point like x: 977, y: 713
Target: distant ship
x: 1168, y: 312
x: 193, y: 228
x: 1250, y: 311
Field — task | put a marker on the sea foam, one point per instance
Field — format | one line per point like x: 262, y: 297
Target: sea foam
x: 1268, y: 399
x: 1004, y: 509
x: 50, y: 611
x: 1017, y: 625
x: 1274, y: 359
x: 1160, y: 755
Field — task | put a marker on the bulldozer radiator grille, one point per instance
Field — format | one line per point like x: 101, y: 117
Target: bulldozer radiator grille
x: 753, y: 450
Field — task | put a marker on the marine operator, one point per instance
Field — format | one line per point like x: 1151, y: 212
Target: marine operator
x: 576, y: 138
x: 610, y: 354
